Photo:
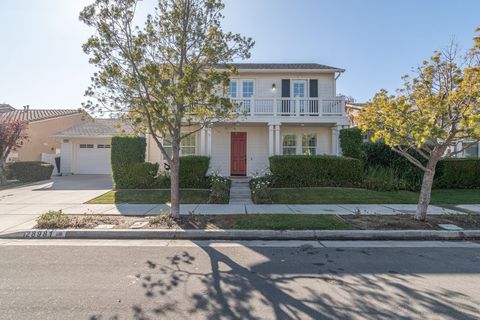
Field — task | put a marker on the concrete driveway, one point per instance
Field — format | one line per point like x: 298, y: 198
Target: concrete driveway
x: 20, y: 206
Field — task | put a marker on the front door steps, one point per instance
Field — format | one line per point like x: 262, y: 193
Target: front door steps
x: 240, y: 191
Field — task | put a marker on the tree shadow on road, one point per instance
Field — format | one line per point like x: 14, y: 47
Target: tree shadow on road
x: 319, y: 286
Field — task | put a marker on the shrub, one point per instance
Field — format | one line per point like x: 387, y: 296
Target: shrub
x: 139, y: 176
x: 193, y: 170
x: 458, y: 173
x: 29, y: 171
x: 53, y: 220
x: 384, y: 179
x: 315, y: 171
x: 162, y: 181
x: 220, y: 189
x: 260, y: 190
x: 378, y: 154
x: 351, y: 140
x: 125, y: 152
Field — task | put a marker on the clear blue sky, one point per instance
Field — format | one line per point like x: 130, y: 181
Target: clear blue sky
x: 376, y: 41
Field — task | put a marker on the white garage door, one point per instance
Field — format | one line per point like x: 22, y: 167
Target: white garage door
x: 93, y: 158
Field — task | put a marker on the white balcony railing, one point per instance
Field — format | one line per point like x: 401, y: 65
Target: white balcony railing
x: 290, y: 106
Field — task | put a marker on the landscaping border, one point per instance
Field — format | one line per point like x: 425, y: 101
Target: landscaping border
x: 245, y: 234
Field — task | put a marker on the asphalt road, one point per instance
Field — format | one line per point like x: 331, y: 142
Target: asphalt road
x: 278, y: 280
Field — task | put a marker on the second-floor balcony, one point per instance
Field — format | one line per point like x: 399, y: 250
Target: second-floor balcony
x: 314, y: 107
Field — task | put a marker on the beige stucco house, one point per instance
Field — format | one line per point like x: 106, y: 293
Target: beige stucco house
x: 42, y: 123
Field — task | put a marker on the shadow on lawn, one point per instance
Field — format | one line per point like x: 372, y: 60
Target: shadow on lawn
x: 325, y: 288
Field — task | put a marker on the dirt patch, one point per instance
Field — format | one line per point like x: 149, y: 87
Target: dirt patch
x: 407, y: 222
x: 211, y: 222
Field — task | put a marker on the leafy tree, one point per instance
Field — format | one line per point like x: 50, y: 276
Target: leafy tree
x: 167, y: 76
x: 12, y: 136
x: 435, y: 111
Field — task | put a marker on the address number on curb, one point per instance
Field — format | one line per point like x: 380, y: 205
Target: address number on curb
x: 44, y: 234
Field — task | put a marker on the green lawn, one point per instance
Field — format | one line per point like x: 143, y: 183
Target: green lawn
x: 150, y: 197
x: 364, y: 196
x: 288, y: 222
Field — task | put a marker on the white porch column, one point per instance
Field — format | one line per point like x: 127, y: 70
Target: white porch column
x: 209, y: 141
x: 277, y: 150
x: 202, y: 141
x: 335, y: 141
x: 271, y: 135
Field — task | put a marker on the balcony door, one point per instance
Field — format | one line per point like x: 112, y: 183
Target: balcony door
x: 299, y: 90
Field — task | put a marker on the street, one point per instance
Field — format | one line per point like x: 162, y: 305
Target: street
x: 73, y: 279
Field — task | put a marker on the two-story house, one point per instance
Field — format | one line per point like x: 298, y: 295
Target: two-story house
x: 283, y: 109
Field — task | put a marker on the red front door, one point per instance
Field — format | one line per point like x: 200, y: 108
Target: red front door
x: 238, y: 154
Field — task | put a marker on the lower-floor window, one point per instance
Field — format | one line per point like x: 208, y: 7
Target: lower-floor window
x: 86, y: 146
x: 309, y: 144
x: 471, y: 151
x: 289, y: 144
x: 187, y: 146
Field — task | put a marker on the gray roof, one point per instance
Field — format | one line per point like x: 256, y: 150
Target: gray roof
x: 284, y: 66
x: 100, y: 128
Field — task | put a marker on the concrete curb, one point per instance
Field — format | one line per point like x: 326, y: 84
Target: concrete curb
x: 246, y: 234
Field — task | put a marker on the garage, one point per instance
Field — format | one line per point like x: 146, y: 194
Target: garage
x: 86, y: 146
x: 93, y: 158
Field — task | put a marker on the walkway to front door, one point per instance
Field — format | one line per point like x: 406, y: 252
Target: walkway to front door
x: 238, y: 154
x: 240, y: 191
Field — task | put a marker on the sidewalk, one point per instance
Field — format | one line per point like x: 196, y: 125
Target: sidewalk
x: 16, y: 216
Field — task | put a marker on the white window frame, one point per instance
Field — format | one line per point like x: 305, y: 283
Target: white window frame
x: 308, y: 147
x: 236, y: 88
x: 253, y: 88
x: 168, y: 146
x: 466, y: 142
x: 294, y: 147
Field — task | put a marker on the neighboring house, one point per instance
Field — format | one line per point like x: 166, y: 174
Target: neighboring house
x: 353, y: 109
x: 284, y: 109
x: 41, y: 124
x: 86, y: 145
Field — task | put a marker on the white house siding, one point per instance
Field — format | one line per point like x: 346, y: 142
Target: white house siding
x: 263, y: 83
x: 324, y: 137
x: 257, y: 148
x: 66, y: 156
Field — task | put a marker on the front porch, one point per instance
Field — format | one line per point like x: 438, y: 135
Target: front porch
x: 262, y: 140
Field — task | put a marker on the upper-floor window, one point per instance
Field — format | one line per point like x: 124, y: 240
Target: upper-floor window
x: 309, y: 144
x: 247, y: 88
x: 233, y: 88
x: 289, y: 144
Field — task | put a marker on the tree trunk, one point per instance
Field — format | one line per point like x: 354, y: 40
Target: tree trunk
x: 426, y: 191
x: 3, y: 177
x: 175, y: 181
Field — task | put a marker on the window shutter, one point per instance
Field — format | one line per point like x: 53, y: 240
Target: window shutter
x: 285, y: 88
x: 313, y: 88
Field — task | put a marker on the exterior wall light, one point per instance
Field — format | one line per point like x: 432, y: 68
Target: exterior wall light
x: 274, y: 87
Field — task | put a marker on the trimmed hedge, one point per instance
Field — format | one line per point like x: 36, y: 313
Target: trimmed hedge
x: 193, y: 171
x: 315, y: 171
x: 458, y: 173
x: 351, y: 140
x: 30, y: 171
x: 125, y: 153
x: 140, y: 176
